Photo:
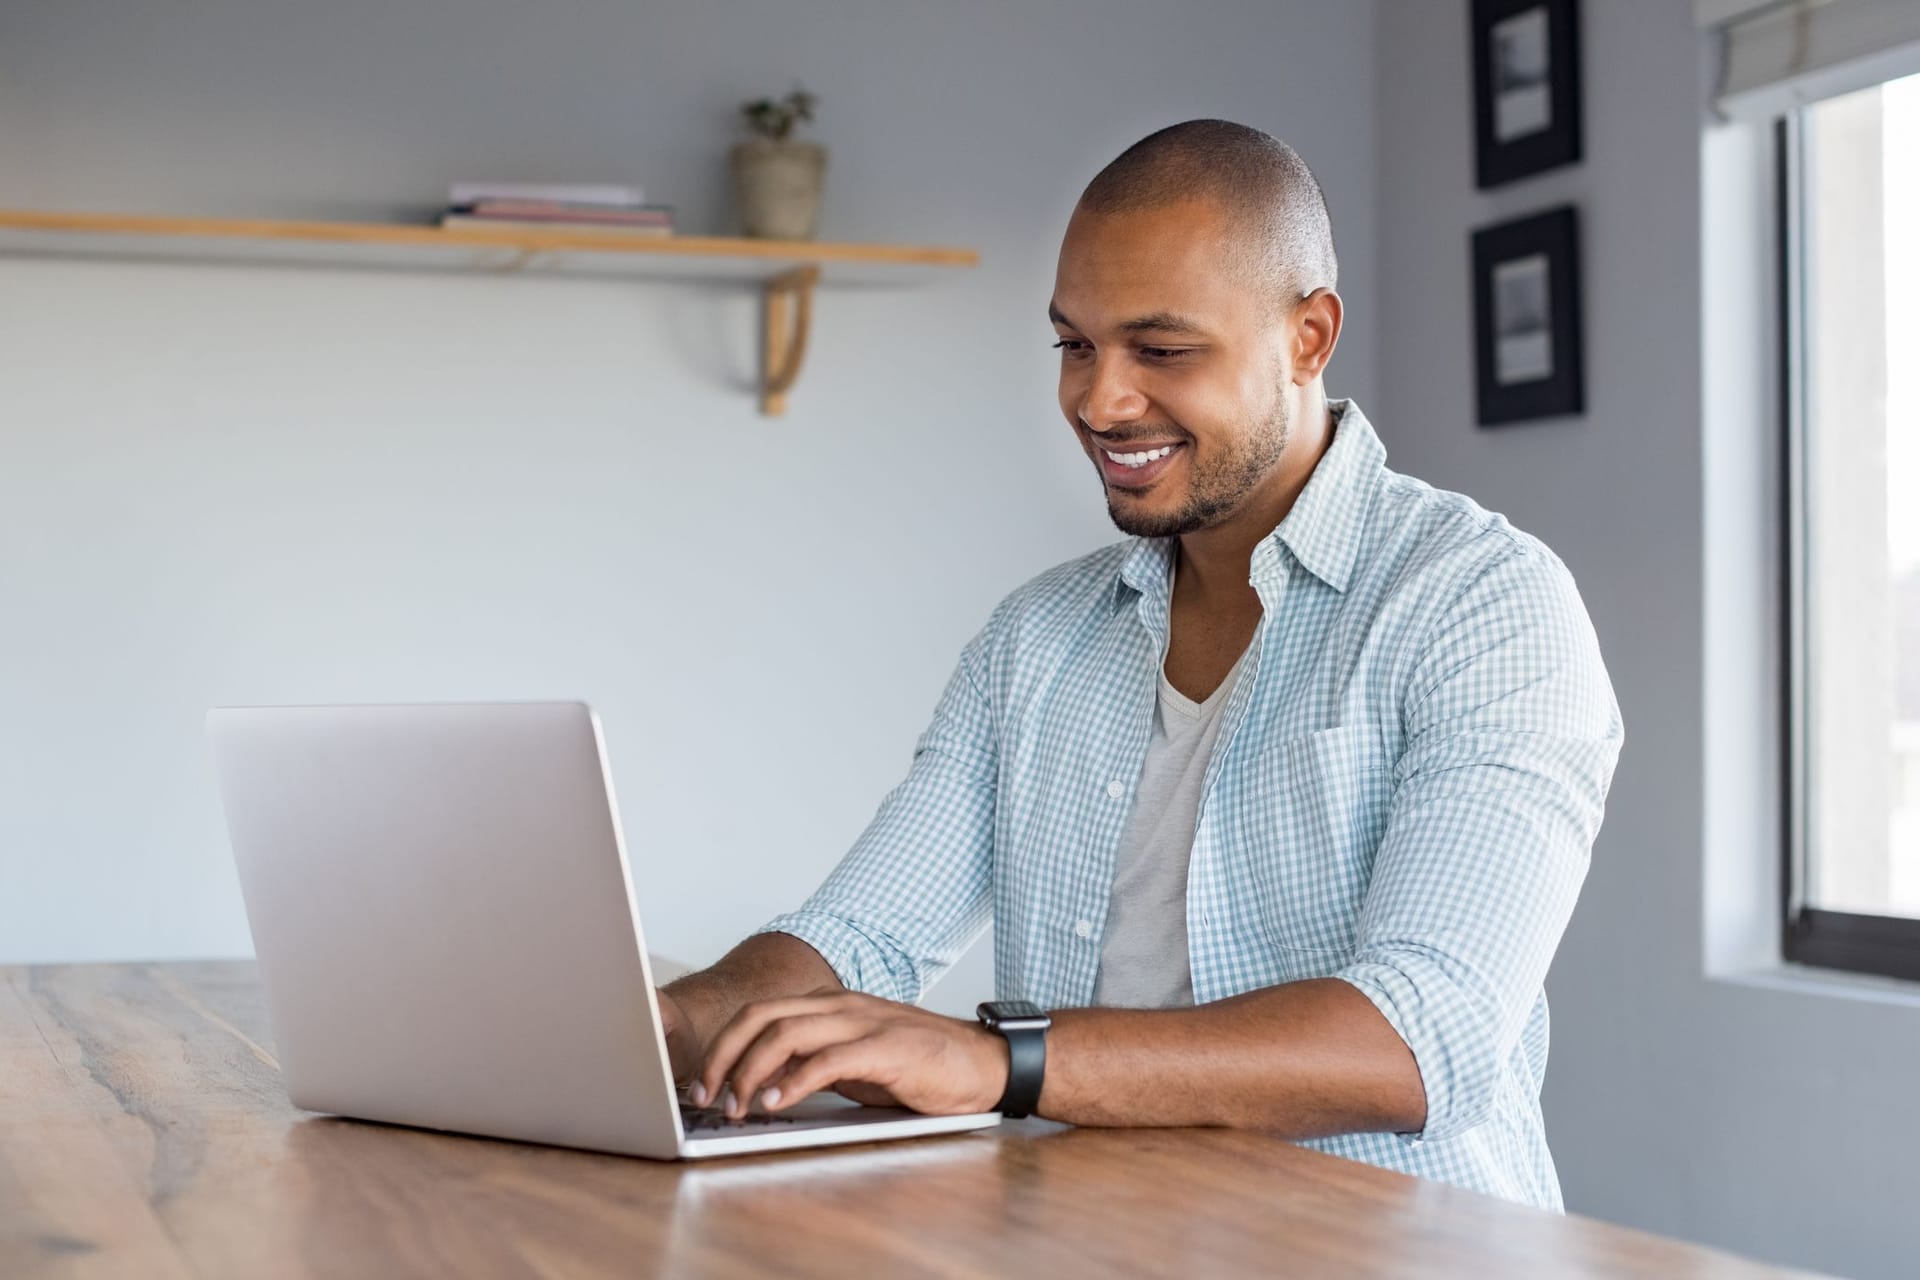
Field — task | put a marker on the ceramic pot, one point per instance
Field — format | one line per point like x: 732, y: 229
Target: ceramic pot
x: 776, y: 187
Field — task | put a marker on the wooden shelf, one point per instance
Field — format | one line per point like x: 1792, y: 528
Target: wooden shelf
x: 787, y: 270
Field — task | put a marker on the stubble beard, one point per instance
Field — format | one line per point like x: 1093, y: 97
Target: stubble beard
x: 1216, y: 489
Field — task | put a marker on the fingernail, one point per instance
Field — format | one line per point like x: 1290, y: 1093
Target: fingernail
x: 698, y: 1093
x: 726, y: 1098
x: 770, y: 1097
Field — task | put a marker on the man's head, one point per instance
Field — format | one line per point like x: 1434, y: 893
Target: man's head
x: 1195, y: 307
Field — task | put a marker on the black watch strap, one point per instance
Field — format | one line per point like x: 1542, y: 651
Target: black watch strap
x: 1024, y: 1027
x: 1026, y: 1072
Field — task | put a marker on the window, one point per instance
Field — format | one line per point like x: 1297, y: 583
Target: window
x: 1850, y: 187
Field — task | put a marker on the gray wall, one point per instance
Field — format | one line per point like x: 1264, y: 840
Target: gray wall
x: 222, y: 484
x: 1757, y: 1109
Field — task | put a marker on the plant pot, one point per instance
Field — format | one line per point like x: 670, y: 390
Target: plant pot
x: 776, y: 187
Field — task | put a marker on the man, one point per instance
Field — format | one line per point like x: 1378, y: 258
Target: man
x: 1279, y: 807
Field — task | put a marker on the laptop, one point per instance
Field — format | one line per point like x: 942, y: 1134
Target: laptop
x: 443, y: 912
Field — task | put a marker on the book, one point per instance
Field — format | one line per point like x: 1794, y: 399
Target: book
x: 645, y: 214
x: 596, y: 193
x: 469, y: 221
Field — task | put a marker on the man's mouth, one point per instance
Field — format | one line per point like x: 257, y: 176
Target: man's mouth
x: 1136, y: 469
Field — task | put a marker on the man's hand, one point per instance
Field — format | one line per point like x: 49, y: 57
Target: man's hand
x: 875, y: 1051
x: 683, y: 1045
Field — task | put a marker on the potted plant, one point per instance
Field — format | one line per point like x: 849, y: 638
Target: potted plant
x: 776, y: 177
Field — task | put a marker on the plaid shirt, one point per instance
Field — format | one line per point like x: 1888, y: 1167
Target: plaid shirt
x: 1404, y: 793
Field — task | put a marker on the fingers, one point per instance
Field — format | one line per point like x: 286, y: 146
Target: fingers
x: 746, y: 1027
x: 778, y: 1045
x: 855, y: 1063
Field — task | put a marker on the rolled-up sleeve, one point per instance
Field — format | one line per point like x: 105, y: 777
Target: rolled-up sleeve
x: 1512, y: 732
x: 914, y: 892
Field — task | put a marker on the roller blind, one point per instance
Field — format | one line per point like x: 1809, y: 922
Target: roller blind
x: 1779, y: 55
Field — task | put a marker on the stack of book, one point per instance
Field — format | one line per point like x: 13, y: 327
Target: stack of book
x: 551, y: 206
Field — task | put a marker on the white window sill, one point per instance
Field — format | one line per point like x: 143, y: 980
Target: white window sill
x: 1807, y: 980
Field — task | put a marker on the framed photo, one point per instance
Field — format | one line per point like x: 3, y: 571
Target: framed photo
x: 1526, y: 87
x: 1526, y: 318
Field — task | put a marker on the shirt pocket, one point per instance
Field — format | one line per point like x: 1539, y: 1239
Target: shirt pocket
x: 1318, y: 809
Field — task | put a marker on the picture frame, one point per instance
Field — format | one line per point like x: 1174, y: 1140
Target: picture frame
x: 1526, y: 88
x: 1528, y: 350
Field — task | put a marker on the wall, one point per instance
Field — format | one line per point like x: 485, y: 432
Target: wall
x: 229, y: 484
x: 1757, y: 1109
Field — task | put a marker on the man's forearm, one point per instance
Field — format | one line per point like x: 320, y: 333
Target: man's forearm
x: 1305, y: 1060
x: 767, y: 966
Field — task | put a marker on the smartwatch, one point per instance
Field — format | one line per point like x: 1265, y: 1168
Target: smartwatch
x: 1024, y: 1024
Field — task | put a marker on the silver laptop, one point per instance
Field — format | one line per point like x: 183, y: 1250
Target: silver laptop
x: 443, y: 911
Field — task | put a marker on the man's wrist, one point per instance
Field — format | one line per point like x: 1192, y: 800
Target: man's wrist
x: 996, y: 1070
x: 1023, y: 1025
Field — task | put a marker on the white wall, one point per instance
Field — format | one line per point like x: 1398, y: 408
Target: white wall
x: 224, y: 484
x: 1771, y: 1115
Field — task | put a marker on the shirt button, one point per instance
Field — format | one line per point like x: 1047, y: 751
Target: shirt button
x: 1084, y: 928
x: 1116, y: 789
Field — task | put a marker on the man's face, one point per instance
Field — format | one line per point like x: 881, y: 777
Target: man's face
x: 1166, y: 345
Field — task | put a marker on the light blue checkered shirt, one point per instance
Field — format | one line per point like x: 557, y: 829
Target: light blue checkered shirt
x: 1404, y: 793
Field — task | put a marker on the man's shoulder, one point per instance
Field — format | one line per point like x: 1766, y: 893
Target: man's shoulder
x: 1057, y: 603
x: 1071, y: 587
x: 1419, y: 532
x: 1441, y: 567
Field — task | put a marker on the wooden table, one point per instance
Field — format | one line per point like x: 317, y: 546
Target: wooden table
x: 144, y: 1132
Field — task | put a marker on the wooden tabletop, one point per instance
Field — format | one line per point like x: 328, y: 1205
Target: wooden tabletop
x: 144, y: 1131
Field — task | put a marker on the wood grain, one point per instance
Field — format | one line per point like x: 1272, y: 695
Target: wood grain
x: 144, y: 1132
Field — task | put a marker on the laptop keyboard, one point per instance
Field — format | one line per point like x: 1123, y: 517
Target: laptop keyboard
x: 711, y: 1119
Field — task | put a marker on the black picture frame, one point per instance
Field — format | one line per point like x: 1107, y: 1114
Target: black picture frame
x: 1526, y: 88
x: 1528, y: 352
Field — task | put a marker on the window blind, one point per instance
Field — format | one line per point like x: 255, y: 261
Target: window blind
x: 1780, y: 54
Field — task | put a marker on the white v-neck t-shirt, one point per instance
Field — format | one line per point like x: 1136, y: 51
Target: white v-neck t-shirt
x: 1143, y: 951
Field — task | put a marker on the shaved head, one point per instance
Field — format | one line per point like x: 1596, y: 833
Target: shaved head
x: 1266, y: 190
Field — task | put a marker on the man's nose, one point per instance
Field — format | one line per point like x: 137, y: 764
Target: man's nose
x: 1111, y: 395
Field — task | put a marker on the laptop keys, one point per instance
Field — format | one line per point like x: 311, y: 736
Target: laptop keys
x: 696, y: 1119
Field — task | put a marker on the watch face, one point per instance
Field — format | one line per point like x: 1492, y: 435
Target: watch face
x: 1015, y: 1015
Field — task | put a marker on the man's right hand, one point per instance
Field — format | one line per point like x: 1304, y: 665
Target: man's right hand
x: 767, y: 966
x: 684, y: 1049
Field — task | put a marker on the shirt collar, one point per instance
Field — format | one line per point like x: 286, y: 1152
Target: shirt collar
x: 1323, y: 530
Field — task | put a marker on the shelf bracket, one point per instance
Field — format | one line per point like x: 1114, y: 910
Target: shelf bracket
x: 786, y: 316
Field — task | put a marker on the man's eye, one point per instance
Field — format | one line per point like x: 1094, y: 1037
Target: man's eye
x: 1079, y: 346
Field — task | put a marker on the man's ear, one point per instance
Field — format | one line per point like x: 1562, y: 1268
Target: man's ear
x: 1316, y: 331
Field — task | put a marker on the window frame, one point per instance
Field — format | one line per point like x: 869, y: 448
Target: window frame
x: 1885, y: 945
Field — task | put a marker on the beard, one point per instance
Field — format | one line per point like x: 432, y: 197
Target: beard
x: 1216, y: 487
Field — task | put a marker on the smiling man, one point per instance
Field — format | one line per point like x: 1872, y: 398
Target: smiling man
x: 1278, y: 808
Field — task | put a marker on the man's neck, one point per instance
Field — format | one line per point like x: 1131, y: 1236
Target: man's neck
x: 1215, y: 563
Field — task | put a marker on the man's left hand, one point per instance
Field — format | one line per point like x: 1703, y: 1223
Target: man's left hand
x: 879, y: 1052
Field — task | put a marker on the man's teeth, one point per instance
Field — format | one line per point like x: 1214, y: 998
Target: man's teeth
x: 1138, y: 459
